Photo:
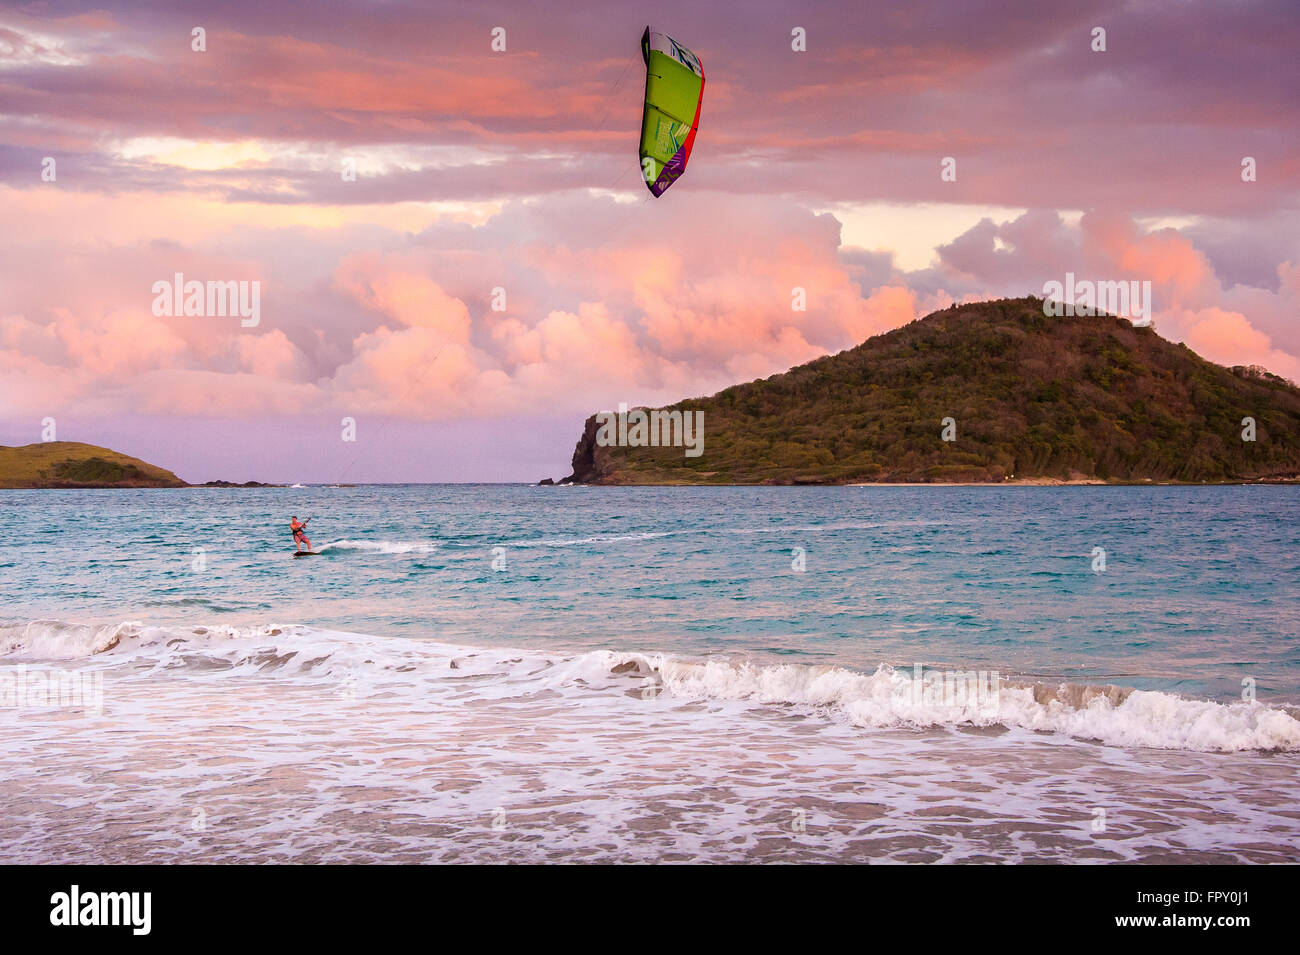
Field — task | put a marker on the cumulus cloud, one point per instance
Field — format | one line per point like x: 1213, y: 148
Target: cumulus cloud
x: 605, y: 302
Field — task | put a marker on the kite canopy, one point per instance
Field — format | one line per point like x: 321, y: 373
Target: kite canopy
x: 674, y: 90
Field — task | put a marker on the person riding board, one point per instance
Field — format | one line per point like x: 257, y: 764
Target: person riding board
x: 299, y: 529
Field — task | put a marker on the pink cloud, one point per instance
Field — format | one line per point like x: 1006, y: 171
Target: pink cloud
x: 270, y: 356
x: 1228, y: 338
x: 623, y: 302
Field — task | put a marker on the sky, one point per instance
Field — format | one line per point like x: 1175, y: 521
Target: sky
x: 496, y: 270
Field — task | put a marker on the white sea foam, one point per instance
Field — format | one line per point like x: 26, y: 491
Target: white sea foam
x: 381, y: 546
x: 890, y: 698
x: 287, y: 743
x: 593, y: 539
x: 883, y: 699
x: 55, y: 640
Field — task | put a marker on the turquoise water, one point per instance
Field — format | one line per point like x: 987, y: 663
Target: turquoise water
x: 1198, y: 593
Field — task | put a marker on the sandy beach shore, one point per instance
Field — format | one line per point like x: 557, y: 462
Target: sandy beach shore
x: 451, y: 755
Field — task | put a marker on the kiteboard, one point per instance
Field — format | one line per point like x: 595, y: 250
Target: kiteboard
x: 306, y: 553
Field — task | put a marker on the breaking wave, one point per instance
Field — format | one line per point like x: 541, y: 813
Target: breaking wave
x: 886, y: 698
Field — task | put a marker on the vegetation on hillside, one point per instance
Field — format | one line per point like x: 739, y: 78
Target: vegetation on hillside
x: 1031, y: 396
x: 55, y: 464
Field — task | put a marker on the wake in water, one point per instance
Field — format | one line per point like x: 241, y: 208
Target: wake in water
x: 885, y: 698
x: 379, y: 547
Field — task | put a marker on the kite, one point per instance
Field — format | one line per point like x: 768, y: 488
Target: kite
x: 674, y: 90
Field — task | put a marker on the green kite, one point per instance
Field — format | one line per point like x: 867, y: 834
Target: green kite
x: 674, y: 90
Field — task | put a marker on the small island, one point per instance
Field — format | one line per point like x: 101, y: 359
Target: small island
x: 980, y: 393
x: 71, y: 464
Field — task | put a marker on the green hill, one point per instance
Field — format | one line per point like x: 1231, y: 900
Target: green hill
x: 72, y: 464
x: 1031, y: 396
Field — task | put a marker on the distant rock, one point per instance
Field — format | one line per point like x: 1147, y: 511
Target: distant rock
x: 233, y: 484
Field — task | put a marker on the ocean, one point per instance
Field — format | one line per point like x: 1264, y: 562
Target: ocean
x: 539, y: 674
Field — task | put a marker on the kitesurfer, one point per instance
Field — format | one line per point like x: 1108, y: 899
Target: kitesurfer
x: 299, y: 529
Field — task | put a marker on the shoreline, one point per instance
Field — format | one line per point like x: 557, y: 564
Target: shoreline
x: 1015, y: 482
x: 436, y: 770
